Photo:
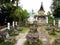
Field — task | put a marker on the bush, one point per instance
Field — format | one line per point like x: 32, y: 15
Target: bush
x: 6, y: 43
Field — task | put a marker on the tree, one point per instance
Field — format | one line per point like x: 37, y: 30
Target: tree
x: 5, y: 8
x: 11, y: 12
x: 55, y: 8
x: 48, y: 13
x: 19, y: 14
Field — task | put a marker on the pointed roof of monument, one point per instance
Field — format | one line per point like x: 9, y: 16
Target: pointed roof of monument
x: 41, y: 8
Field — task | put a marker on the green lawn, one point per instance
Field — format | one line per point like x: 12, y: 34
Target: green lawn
x: 24, y: 29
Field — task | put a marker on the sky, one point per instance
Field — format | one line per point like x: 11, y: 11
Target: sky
x: 35, y: 4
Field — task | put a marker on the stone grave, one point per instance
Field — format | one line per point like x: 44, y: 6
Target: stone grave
x: 58, y: 41
x: 33, y: 29
x: 35, y: 23
x: 13, y: 31
x: 52, y: 31
x: 48, y: 27
x: 32, y: 36
x: 5, y: 35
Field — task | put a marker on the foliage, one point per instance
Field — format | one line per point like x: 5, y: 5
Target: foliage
x: 19, y: 15
x: 11, y: 12
x: 1, y: 39
x: 6, y: 43
x: 57, y: 12
x: 55, y: 7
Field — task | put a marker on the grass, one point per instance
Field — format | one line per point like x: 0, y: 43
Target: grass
x: 24, y: 29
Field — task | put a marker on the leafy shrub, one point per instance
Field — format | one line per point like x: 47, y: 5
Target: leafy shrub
x: 1, y: 40
x: 6, y: 43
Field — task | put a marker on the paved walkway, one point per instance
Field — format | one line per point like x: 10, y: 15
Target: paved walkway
x: 21, y: 39
x: 43, y: 35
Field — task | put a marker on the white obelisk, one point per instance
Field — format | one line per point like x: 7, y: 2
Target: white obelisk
x: 16, y: 23
x: 58, y: 23
x: 47, y: 20
x: 13, y: 24
x: 8, y: 26
x: 53, y: 22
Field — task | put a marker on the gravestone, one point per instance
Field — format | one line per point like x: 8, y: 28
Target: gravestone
x: 33, y: 28
x: 16, y: 23
x: 48, y: 27
x: 58, y: 23
x: 8, y: 38
x: 52, y: 31
x: 13, y: 24
x: 8, y: 26
x: 53, y: 22
x: 46, y: 19
x: 57, y: 41
x: 15, y: 32
x: 35, y: 23
x: 5, y: 35
x: 33, y: 35
x: 36, y: 18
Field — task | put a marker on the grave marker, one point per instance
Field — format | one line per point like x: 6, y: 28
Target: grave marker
x: 47, y: 20
x: 16, y: 23
x: 53, y: 22
x: 58, y: 23
x: 8, y: 26
x: 13, y: 24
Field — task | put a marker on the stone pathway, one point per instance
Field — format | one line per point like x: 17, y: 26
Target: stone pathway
x: 43, y: 35
x: 21, y: 39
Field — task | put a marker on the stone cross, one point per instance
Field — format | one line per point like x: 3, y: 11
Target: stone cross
x: 8, y: 26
